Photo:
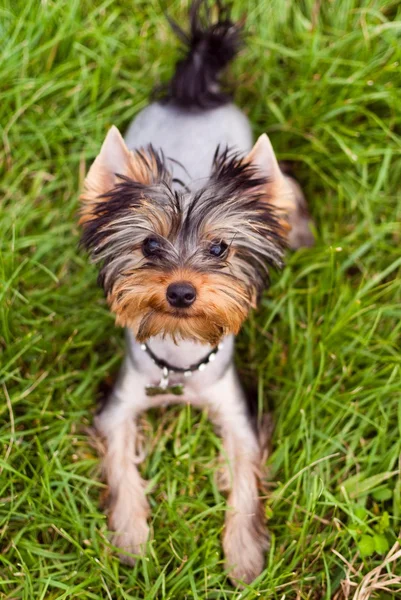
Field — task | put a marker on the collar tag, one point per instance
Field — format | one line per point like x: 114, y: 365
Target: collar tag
x: 163, y: 387
x: 164, y: 381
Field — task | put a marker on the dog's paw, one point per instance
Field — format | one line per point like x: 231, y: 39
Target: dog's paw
x: 131, y: 541
x: 245, y: 543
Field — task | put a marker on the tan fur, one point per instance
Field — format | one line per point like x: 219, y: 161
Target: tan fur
x: 139, y: 301
x: 245, y: 539
x: 128, y: 507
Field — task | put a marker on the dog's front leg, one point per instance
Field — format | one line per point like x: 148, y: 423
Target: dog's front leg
x: 245, y: 538
x: 128, y: 507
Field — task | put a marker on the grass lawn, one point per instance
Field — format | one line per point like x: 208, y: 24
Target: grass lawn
x: 323, y: 80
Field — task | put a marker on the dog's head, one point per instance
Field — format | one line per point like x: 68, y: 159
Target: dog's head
x: 180, y: 263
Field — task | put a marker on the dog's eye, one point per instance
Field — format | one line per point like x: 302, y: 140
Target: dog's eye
x: 151, y: 246
x: 218, y: 248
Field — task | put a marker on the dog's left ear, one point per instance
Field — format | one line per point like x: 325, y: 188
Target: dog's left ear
x: 284, y: 193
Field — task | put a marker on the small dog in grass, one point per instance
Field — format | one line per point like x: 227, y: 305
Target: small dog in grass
x: 185, y: 219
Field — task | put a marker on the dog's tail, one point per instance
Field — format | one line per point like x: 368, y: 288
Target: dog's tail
x: 210, y: 47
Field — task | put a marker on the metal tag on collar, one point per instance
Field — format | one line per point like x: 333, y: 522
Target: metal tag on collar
x: 163, y: 387
x: 165, y: 378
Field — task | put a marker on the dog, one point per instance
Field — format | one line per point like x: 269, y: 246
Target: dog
x: 186, y: 217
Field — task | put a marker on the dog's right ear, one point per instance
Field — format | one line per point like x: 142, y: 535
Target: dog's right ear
x: 113, y: 159
x: 262, y: 156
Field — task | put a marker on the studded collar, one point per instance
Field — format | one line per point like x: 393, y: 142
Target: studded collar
x: 187, y: 371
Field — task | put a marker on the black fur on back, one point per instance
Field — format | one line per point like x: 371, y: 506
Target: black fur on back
x: 210, y: 47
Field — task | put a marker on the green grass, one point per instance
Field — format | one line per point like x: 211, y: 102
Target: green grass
x: 323, y: 350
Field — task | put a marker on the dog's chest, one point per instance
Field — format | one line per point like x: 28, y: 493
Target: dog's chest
x: 194, y: 366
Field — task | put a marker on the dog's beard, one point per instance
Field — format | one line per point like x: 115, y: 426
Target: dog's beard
x: 221, y: 306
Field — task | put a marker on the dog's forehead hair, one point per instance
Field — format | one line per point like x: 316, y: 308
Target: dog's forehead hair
x: 191, y: 221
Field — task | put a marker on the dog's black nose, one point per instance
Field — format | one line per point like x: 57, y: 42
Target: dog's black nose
x: 181, y: 294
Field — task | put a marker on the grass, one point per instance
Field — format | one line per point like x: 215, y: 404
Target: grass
x: 323, y: 79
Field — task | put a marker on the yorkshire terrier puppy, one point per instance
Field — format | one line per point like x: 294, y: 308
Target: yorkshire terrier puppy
x: 185, y: 219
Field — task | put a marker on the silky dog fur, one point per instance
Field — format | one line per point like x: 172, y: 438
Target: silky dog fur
x: 185, y: 219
